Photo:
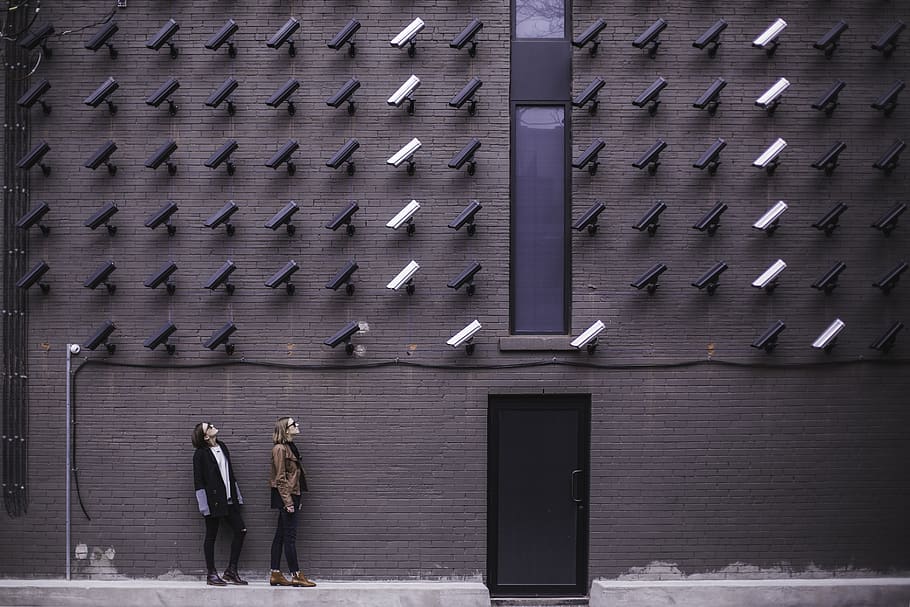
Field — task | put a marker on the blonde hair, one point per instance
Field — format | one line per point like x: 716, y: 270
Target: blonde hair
x: 280, y: 435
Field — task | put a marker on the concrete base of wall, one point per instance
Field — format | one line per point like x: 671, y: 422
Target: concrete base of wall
x: 861, y: 592
x: 142, y: 593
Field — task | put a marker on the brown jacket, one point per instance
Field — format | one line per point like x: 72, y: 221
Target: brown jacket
x: 287, y: 474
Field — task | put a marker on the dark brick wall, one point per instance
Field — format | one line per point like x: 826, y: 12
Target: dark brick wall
x: 705, y: 465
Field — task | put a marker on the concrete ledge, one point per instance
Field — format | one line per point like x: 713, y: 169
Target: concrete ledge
x: 150, y: 593
x: 849, y: 592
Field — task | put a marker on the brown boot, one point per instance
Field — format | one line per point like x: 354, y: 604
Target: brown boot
x: 301, y: 580
x: 232, y: 577
x: 276, y: 578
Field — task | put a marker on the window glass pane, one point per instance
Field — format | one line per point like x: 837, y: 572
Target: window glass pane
x: 540, y: 18
x: 539, y: 221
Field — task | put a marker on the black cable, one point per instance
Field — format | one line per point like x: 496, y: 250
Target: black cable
x: 75, y: 468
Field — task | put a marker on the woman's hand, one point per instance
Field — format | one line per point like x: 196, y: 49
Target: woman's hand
x: 290, y: 509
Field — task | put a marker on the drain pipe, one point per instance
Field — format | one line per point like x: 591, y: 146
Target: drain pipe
x: 70, y: 350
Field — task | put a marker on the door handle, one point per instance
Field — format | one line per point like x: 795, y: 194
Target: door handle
x: 575, y: 497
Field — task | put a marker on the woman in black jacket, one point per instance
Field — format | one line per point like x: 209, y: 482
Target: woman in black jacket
x: 219, y: 500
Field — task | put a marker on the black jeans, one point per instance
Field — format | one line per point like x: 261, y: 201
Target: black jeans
x: 286, y: 537
x: 212, y: 523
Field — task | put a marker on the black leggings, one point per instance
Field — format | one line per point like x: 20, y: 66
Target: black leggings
x: 212, y: 523
x: 286, y: 537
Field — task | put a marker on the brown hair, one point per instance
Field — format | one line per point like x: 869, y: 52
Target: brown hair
x: 280, y: 434
x: 199, y: 436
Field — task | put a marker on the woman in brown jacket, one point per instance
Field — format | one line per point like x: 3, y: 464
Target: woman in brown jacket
x: 288, y: 481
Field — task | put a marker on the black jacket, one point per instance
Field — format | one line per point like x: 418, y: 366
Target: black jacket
x: 209, y: 485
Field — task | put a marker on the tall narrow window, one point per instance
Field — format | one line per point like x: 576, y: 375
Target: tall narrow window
x: 539, y: 221
x: 540, y: 18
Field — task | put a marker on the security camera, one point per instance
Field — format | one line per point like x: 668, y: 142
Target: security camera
x: 889, y: 160
x: 404, y: 216
x: 161, y: 277
x: 589, y: 36
x: 33, y: 276
x: 767, y: 341
x: 770, y: 99
x: 34, y: 157
x: 649, y: 38
x: 221, y: 277
x: 710, y: 279
x: 223, y: 154
x: 33, y: 217
x: 650, y: 96
x: 343, y: 218
x: 465, y: 337
x: 767, y: 280
x: 284, y: 35
x: 466, y: 217
x: 466, y: 155
x: 828, y: 160
x: 888, y: 101
x: 711, y: 157
x: 160, y: 338
x: 466, y: 277
x: 345, y: 36
x: 222, y: 337
x: 830, y: 220
x: 588, y: 337
x: 649, y: 279
x: 467, y: 93
x: 710, y: 99
x: 163, y: 37
x: 711, y: 37
x: 102, y: 38
x: 343, y: 336
x: 406, y: 37
x: 283, y: 155
x: 828, y: 101
x: 405, y: 277
x: 890, y: 279
x: 767, y: 40
x: 101, y: 94
x: 467, y: 35
x: 589, y: 218
x: 163, y: 217
x: 38, y: 37
x: 888, y: 40
x: 343, y: 277
x: 768, y: 223
x: 406, y: 154
x: 828, y: 281
x: 222, y: 36
x: 343, y: 156
x: 163, y: 94
x: 886, y: 341
x: 283, y: 218
x: 651, y: 158
x: 33, y: 95
x: 828, y: 42
x: 101, y: 337
x: 162, y: 155
x: 101, y: 276
x: 284, y: 94
x: 650, y: 221
x: 102, y: 217
x: 770, y: 158
x: 828, y: 338
x: 223, y: 216
x: 222, y: 93
x: 404, y: 93
x: 589, y: 157
x: 75, y: 348
x: 344, y: 95
x: 589, y: 95
x: 103, y: 156
x: 711, y: 220
x: 887, y: 222
x: 283, y: 276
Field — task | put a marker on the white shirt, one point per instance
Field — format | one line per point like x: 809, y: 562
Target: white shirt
x: 223, y: 467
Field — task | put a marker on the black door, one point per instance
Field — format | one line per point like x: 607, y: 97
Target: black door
x: 537, y: 509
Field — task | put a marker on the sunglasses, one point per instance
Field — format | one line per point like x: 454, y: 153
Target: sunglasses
x: 293, y: 425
